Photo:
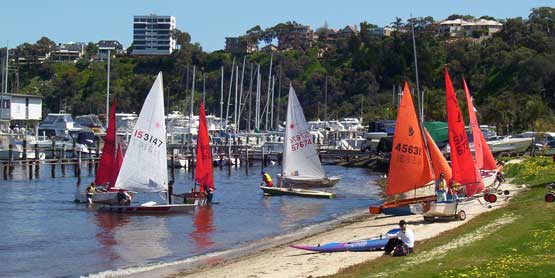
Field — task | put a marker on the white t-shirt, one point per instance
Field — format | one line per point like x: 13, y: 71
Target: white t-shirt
x: 407, y: 237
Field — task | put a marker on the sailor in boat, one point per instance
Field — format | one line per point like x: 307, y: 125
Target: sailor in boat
x: 209, y: 192
x: 124, y: 199
x: 267, y: 179
x: 441, y: 187
x: 403, y: 240
x: 91, y: 189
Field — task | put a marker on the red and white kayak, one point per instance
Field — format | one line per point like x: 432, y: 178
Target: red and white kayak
x: 149, y: 207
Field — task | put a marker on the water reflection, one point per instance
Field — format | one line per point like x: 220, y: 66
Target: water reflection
x: 204, y: 227
x: 108, y: 223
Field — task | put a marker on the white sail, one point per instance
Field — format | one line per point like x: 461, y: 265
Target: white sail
x: 144, y: 165
x: 300, y: 159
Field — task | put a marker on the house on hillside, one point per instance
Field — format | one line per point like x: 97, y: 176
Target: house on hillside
x: 298, y: 37
x: 68, y: 52
x: 239, y: 45
x: 458, y: 28
x: 105, y: 46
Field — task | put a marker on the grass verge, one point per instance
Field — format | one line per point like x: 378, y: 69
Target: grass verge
x: 514, y: 241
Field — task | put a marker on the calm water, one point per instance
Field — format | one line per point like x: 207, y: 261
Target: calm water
x: 45, y: 234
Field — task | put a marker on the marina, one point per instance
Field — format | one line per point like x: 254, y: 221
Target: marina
x: 42, y: 219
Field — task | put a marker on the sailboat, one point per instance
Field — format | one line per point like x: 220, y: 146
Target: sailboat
x: 144, y: 165
x: 108, y: 167
x: 204, y: 175
x: 413, y: 163
x: 482, y: 153
x: 300, y: 166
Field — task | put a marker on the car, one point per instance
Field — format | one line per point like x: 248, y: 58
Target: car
x: 549, y: 148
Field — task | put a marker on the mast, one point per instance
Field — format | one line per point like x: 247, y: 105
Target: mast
x: 272, y: 103
x: 257, y: 106
x: 250, y: 99
x: 238, y: 122
x: 108, y: 89
x: 420, y: 98
x: 268, y: 95
x: 222, y: 99
x: 279, y: 96
x: 326, y: 99
x: 235, y: 99
x: 191, y: 109
x: 203, y: 87
x: 229, y: 94
x: 5, y: 81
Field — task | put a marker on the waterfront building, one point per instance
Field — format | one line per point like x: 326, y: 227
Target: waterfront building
x: 152, y: 35
x: 20, y: 107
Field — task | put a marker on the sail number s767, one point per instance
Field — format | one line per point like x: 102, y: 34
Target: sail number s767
x: 139, y: 134
x: 406, y: 148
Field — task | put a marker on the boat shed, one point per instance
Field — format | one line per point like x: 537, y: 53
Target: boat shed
x: 20, y: 107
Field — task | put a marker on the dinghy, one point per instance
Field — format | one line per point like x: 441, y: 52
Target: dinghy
x: 144, y: 165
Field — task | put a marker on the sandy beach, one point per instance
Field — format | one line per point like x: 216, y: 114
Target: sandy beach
x: 283, y: 261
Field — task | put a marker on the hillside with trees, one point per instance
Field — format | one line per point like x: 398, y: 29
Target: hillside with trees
x: 511, y: 75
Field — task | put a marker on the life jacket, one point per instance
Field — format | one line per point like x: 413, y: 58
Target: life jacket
x: 91, y: 189
x: 441, y: 185
x: 267, y: 177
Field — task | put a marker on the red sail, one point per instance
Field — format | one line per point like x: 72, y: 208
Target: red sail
x: 439, y: 163
x: 109, y: 165
x: 482, y: 153
x: 462, y: 163
x: 409, y: 167
x: 203, y: 171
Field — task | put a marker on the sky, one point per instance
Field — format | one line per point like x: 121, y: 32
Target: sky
x: 209, y: 21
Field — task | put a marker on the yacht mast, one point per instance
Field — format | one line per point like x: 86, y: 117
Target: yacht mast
x: 191, y: 108
x: 229, y: 94
x: 222, y: 99
x: 257, y: 106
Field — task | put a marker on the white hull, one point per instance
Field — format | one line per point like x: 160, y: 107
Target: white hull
x: 280, y: 191
x: 510, y: 145
x: 149, y: 209
x: 308, y: 182
x: 107, y: 198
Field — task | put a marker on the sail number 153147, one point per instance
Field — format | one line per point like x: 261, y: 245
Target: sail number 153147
x: 139, y: 134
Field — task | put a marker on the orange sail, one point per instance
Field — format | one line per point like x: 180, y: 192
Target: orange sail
x: 409, y: 167
x: 439, y: 163
x: 464, y: 168
x: 203, y: 171
x: 482, y: 153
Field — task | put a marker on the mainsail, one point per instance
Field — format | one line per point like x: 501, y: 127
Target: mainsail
x: 203, y: 171
x: 300, y: 159
x: 462, y: 163
x: 482, y: 153
x: 409, y: 167
x: 144, y: 167
x: 111, y: 159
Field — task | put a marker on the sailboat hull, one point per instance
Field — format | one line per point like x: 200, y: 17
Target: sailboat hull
x: 301, y: 182
x: 107, y: 198
x: 280, y: 191
x: 355, y: 246
x: 151, y: 209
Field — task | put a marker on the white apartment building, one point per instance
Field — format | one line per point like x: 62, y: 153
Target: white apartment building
x: 152, y: 35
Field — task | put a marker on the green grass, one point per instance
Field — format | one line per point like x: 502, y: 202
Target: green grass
x: 515, y: 241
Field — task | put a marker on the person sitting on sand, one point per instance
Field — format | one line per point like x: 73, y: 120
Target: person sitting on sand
x: 404, y: 237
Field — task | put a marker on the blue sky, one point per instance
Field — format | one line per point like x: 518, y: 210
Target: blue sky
x: 209, y: 21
